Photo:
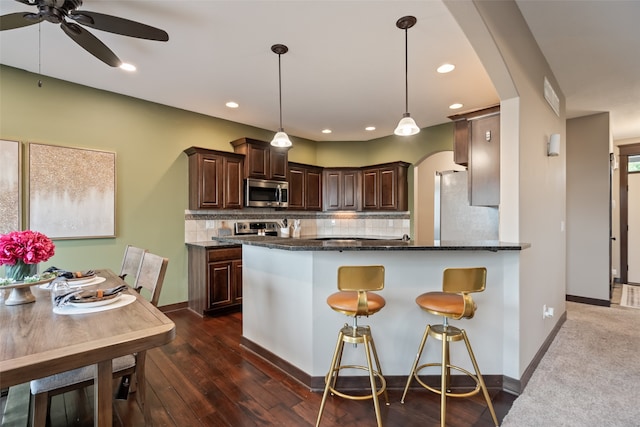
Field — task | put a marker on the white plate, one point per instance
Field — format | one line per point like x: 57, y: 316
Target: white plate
x: 89, y: 282
x: 96, y: 303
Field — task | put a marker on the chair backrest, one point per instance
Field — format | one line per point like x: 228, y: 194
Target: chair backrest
x: 361, y: 278
x: 131, y: 263
x: 464, y: 280
x: 151, y: 275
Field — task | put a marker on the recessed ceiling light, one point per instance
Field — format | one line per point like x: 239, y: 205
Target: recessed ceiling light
x: 370, y: 128
x: 446, y: 68
x: 326, y: 130
x: 232, y: 104
x: 127, y: 67
x: 455, y: 106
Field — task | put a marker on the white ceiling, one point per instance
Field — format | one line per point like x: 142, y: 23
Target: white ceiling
x: 345, y: 65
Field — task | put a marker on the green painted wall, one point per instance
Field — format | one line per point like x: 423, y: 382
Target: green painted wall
x: 151, y: 167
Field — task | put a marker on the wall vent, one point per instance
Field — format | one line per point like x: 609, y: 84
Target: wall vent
x: 551, y: 97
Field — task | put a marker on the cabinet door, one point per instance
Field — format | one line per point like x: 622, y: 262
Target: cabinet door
x: 278, y: 163
x: 484, y: 170
x: 237, y: 281
x: 210, y: 177
x: 220, y: 284
x: 257, y: 161
x: 296, y: 187
x: 350, y: 187
x: 461, y: 142
x: 233, y: 183
x: 331, y: 188
x: 388, y: 188
x: 370, y: 188
x: 313, y: 196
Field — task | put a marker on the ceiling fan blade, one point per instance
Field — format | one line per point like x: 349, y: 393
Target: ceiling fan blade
x: 18, y: 20
x: 90, y: 43
x: 116, y: 25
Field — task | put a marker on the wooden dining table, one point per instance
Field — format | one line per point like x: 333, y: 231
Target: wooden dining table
x: 35, y: 342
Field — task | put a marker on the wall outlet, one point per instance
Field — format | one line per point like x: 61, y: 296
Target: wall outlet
x: 547, y: 312
x: 614, y: 271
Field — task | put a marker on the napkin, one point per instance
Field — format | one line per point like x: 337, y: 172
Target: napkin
x: 70, y: 274
x: 88, y: 295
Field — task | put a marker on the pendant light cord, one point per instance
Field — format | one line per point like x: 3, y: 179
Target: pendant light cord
x: 406, y: 70
x: 280, y: 88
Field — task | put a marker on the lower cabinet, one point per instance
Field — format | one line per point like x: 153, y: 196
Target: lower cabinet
x: 215, y: 279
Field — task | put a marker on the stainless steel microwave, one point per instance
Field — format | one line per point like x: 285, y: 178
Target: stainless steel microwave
x: 262, y: 193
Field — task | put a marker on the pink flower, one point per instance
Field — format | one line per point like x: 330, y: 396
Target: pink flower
x: 30, y: 247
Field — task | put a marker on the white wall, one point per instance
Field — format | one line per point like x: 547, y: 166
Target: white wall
x: 588, y: 207
x: 533, y: 192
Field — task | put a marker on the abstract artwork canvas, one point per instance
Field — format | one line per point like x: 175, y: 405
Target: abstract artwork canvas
x: 10, y: 195
x: 71, y: 192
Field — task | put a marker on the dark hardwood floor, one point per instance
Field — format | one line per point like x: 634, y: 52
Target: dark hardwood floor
x: 205, y: 378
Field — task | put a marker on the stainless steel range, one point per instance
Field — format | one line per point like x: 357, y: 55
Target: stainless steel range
x: 259, y: 228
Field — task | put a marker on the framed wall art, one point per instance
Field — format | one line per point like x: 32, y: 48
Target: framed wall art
x: 72, y: 192
x: 10, y: 186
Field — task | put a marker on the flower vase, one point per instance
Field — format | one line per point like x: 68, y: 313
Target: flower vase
x: 18, y: 272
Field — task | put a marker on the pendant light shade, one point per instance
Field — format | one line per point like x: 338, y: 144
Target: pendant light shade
x: 407, y: 126
x: 280, y: 139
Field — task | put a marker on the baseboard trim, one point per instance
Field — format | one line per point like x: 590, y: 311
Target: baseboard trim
x: 174, y: 307
x: 518, y: 386
x: 357, y: 383
x: 590, y: 301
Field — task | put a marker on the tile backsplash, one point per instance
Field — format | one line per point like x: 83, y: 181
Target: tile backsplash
x: 203, y: 225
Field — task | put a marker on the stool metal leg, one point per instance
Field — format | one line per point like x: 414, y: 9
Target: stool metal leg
x: 415, y: 362
x: 331, y: 375
x: 372, y: 379
x: 444, y: 380
x: 480, y: 379
x: 379, y: 368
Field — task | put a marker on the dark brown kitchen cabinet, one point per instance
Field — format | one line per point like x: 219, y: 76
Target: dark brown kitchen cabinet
x: 262, y: 161
x: 215, y: 179
x: 215, y: 279
x: 384, y: 187
x: 476, y: 136
x: 305, y: 187
x: 341, y: 189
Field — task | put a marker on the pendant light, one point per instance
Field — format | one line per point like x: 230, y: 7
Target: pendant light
x: 280, y: 139
x: 407, y: 126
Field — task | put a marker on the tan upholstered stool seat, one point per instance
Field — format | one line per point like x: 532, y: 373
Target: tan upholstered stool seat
x: 443, y: 304
x: 347, y: 302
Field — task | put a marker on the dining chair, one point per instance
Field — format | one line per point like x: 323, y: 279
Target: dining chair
x: 131, y: 262
x: 150, y: 277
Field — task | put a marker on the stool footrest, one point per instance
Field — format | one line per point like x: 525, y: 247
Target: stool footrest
x: 449, y: 393
x: 379, y: 390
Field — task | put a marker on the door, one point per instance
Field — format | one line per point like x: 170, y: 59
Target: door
x: 633, y: 232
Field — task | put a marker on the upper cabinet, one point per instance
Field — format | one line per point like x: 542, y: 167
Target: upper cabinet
x: 341, y: 188
x: 477, y: 146
x: 215, y: 179
x: 305, y: 187
x: 384, y: 187
x: 262, y: 161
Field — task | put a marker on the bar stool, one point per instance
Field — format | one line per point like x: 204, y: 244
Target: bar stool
x: 355, y: 299
x: 454, y: 302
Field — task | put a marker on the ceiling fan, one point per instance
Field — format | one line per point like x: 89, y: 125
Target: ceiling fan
x: 59, y: 12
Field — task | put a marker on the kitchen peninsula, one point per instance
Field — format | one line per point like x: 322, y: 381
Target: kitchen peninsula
x: 286, y: 319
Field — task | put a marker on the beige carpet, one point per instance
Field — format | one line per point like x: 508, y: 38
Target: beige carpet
x: 590, y: 376
x: 630, y: 296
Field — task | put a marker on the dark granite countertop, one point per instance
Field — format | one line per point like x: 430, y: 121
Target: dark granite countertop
x: 212, y: 244
x: 368, y: 244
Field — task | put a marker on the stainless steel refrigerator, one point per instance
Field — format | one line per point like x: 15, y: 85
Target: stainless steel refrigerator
x: 455, y: 218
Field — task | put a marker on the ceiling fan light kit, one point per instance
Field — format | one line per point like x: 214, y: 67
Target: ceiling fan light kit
x: 60, y: 11
x: 280, y: 139
x: 407, y: 126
